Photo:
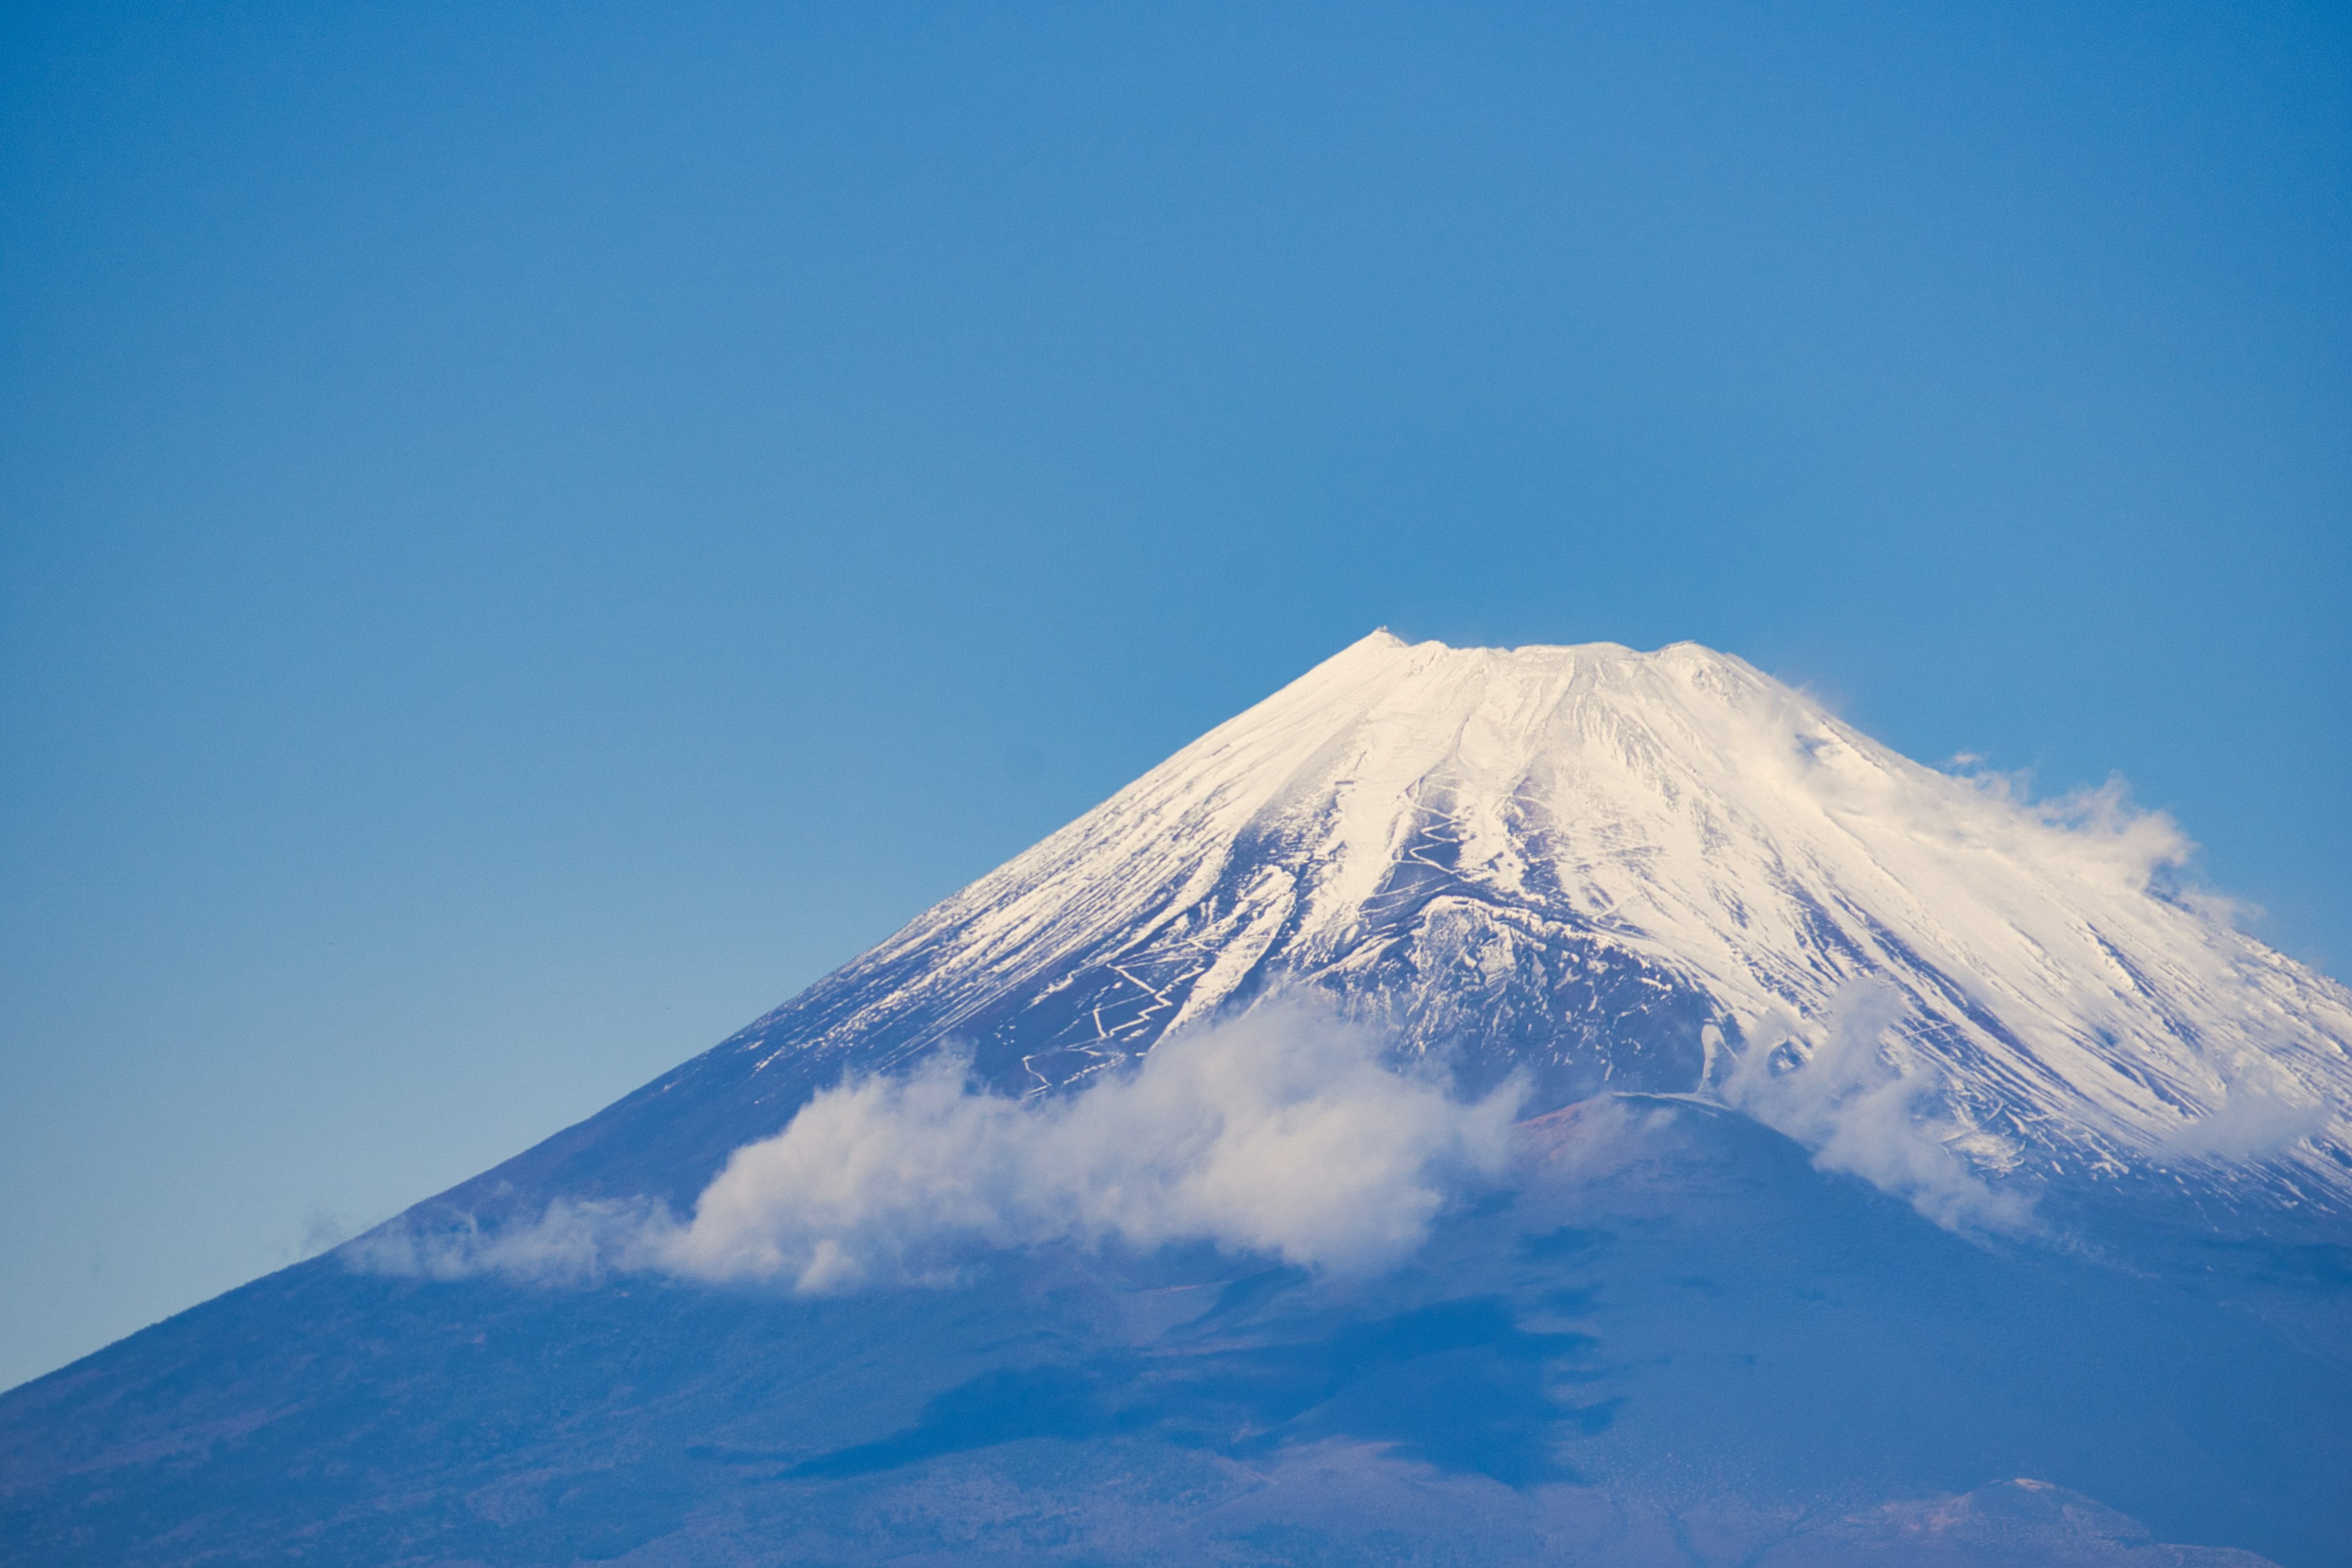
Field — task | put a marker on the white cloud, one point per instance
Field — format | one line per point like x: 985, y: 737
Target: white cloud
x: 1862, y: 1113
x: 1281, y: 1133
x: 571, y: 1242
x: 2253, y: 1121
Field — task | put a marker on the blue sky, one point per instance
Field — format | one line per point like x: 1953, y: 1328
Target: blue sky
x: 532, y: 533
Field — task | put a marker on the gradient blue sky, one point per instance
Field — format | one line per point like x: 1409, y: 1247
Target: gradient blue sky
x: 532, y: 532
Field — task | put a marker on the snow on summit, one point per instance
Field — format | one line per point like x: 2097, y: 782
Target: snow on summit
x: 1624, y: 871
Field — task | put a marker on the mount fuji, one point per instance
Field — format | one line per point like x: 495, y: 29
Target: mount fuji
x: 1551, y: 1104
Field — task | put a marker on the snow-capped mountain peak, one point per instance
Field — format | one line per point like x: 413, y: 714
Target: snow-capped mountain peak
x: 1625, y: 870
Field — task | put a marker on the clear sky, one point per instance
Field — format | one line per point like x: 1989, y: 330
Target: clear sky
x: 530, y: 533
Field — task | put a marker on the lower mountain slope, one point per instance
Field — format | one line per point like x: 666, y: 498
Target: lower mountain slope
x: 1677, y: 1342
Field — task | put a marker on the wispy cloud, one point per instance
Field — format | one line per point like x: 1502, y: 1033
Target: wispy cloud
x: 1282, y: 1133
x: 2255, y: 1120
x: 1861, y: 1112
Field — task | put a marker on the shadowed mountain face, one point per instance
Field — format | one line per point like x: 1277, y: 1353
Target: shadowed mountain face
x: 1650, y: 887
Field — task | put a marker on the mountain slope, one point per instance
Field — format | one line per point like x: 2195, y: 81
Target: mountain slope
x: 1680, y: 1345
